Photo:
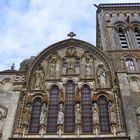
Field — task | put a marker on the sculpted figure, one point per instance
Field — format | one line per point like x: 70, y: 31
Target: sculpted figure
x: 52, y: 63
x: 60, y: 119
x: 112, y: 113
x: 87, y: 68
x: 70, y: 68
x: 95, y: 115
x: 43, y: 115
x: 101, y: 75
x: 39, y: 79
x: 27, y: 115
x: 77, y: 114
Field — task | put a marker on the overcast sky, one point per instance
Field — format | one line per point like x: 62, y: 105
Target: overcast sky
x: 29, y: 26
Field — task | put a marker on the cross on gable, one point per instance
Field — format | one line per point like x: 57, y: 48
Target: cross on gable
x: 71, y: 34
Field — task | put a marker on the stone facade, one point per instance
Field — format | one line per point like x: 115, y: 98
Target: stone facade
x: 97, y: 88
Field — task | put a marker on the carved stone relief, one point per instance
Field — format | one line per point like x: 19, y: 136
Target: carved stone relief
x: 87, y: 66
x: 39, y: 78
x: 101, y: 76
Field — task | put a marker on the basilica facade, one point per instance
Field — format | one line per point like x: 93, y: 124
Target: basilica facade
x: 74, y: 90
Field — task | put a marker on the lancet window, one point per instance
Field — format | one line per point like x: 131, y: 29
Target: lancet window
x: 86, y: 107
x: 69, y: 114
x: 122, y: 38
x: 137, y: 35
x: 130, y: 64
x: 103, y: 114
x: 35, y: 116
x: 53, y: 109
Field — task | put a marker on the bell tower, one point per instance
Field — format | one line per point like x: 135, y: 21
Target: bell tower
x: 118, y: 36
x: 118, y: 26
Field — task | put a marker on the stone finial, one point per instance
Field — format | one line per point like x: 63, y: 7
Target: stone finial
x: 71, y: 34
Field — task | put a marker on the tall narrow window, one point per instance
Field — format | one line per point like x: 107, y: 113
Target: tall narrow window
x: 137, y: 35
x: 103, y: 114
x: 122, y: 38
x: 130, y: 64
x: 53, y: 109
x: 35, y: 117
x: 86, y: 108
x: 69, y: 117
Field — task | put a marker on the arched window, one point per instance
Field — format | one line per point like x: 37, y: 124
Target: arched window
x: 69, y: 117
x: 130, y: 64
x: 86, y: 108
x: 53, y: 109
x: 35, y: 116
x: 122, y: 38
x: 103, y: 114
x: 137, y: 35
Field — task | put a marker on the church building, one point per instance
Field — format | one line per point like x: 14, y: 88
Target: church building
x: 75, y: 90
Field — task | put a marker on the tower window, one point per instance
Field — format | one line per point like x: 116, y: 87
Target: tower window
x: 130, y: 64
x: 122, y: 38
x: 137, y: 35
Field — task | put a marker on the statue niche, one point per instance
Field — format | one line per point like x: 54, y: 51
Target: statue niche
x: 70, y: 62
x: 101, y: 76
x: 39, y: 78
x: 87, y: 63
x: 54, y: 66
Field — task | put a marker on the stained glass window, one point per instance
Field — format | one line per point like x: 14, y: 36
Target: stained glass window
x: 86, y: 109
x: 69, y: 114
x: 103, y: 114
x: 53, y: 109
x: 35, y: 117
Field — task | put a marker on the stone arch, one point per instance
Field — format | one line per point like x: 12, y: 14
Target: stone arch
x: 131, y: 57
x: 119, y: 24
x: 68, y: 43
x: 3, y: 114
x: 52, y: 84
x: 70, y: 79
x: 85, y: 83
x: 134, y: 83
x: 6, y: 85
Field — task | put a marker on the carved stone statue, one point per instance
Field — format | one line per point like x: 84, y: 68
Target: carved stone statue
x: 87, y: 68
x: 60, y: 119
x: 112, y: 113
x: 77, y: 114
x: 27, y: 115
x: 95, y: 115
x: 101, y: 76
x: 43, y: 115
x: 39, y: 79
x: 71, y: 64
